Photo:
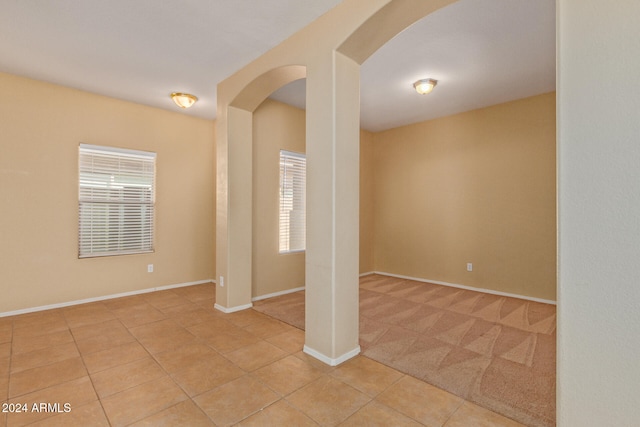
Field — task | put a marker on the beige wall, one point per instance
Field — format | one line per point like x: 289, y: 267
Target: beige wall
x: 276, y: 127
x: 453, y: 166
x: 366, y: 202
x: 39, y: 135
x: 279, y: 126
x: 476, y: 187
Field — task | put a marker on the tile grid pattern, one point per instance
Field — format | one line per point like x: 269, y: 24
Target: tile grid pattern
x: 169, y: 358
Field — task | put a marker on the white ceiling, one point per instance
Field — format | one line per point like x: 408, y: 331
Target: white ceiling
x: 482, y: 52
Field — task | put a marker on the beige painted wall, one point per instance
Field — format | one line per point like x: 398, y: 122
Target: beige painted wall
x: 279, y: 126
x: 367, y: 194
x: 276, y: 127
x: 39, y: 135
x: 482, y: 190
x: 476, y: 187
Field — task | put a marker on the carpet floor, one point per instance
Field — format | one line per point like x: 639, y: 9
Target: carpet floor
x: 495, y: 351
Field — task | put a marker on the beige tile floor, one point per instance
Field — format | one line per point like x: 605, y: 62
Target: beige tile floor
x: 169, y: 359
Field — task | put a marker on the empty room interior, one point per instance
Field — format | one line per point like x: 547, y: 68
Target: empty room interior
x: 317, y: 238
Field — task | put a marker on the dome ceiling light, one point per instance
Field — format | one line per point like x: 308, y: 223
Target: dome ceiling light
x: 425, y: 86
x: 183, y: 100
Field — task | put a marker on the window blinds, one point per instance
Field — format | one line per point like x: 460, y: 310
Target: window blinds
x: 292, y: 202
x: 116, y: 201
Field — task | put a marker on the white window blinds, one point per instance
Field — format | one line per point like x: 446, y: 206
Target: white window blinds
x: 116, y: 201
x: 292, y: 201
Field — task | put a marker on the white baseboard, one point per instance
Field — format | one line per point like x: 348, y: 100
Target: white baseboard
x: 228, y: 310
x: 468, y: 288
x: 329, y: 361
x: 102, y: 298
x: 277, y: 294
x: 368, y: 273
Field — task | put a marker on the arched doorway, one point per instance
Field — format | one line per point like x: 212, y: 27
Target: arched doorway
x: 331, y: 48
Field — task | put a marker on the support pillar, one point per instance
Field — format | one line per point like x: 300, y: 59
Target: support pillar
x: 234, y: 145
x: 333, y: 156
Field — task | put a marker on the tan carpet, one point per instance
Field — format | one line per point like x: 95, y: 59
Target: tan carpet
x: 495, y: 351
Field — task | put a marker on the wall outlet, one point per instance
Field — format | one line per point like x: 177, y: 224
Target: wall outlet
x: 469, y: 266
x: 222, y: 281
x: 149, y: 268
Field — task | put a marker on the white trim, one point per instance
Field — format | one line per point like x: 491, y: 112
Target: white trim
x: 277, y: 294
x: 102, y: 298
x: 329, y: 361
x: 469, y: 288
x: 368, y: 273
x: 183, y: 285
x: 126, y: 151
x: 232, y: 309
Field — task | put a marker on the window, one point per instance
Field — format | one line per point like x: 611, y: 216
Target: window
x: 116, y: 201
x: 293, y: 172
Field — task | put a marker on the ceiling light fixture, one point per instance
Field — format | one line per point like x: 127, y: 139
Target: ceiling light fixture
x: 183, y: 100
x: 425, y: 86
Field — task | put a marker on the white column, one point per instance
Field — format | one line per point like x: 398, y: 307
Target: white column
x: 333, y: 153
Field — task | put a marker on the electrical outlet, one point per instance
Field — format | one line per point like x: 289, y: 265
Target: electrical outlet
x: 469, y: 266
x: 222, y: 281
x: 149, y: 268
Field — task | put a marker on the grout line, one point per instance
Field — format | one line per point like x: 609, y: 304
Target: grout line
x: 197, y: 339
x: 454, y: 412
x: 100, y: 399
x: 81, y: 355
x: 13, y: 335
x: 75, y: 342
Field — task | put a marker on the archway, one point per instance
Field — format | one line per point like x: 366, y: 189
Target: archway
x: 332, y: 49
x: 234, y: 186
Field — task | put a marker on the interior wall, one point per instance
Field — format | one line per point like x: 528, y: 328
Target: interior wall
x: 599, y: 230
x: 477, y: 187
x: 276, y: 126
x: 481, y: 182
x: 367, y: 194
x: 41, y: 130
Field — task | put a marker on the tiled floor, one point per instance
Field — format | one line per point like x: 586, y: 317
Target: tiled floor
x: 168, y: 358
